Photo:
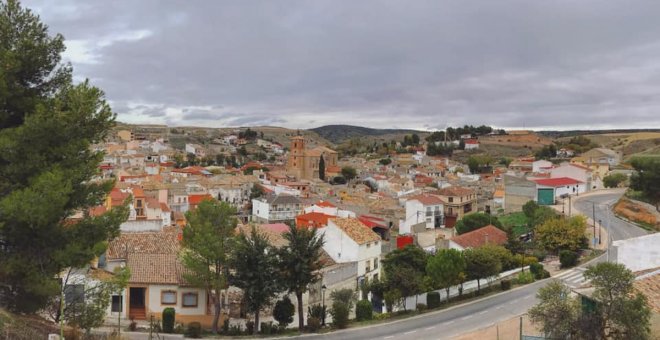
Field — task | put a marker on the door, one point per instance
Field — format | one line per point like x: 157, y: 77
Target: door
x: 137, y: 307
x: 546, y: 196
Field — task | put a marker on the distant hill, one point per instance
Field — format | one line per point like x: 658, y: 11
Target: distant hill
x: 340, y: 133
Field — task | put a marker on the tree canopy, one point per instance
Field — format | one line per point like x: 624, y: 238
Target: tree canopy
x: 647, y: 178
x: 47, y: 166
x: 481, y: 263
x: 446, y: 269
x: 475, y: 221
x: 561, y: 233
x: 348, y: 173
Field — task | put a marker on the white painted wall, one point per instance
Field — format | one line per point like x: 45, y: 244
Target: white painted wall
x: 155, y: 306
x: 538, y: 166
x: 142, y: 225
x: 639, y: 253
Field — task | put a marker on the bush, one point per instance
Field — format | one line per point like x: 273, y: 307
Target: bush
x: 536, y: 269
x: 433, y: 300
x: 524, y: 278
x: 339, y: 312
x: 168, y: 320
x: 613, y: 180
x: 313, y: 324
x: 421, y: 307
x: 346, y: 296
x: 505, y: 284
x: 267, y: 328
x: 317, y: 311
x: 568, y: 258
x: 249, y: 327
x: 382, y: 316
x: 194, y: 330
x: 283, y: 311
x: 540, y: 255
x: 363, y: 310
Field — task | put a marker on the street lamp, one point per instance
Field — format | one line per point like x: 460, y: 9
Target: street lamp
x: 323, y: 288
x: 600, y: 231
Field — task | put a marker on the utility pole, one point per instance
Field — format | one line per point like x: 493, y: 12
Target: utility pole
x: 569, y: 205
x: 593, y: 220
x: 600, y: 231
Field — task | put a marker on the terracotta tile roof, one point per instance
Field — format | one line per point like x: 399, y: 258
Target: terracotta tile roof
x: 143, y: 243
x: 356, y: 230
x: 325, y: 204
x: 164, y: 207
x: 313, y: 219
x: 152, y: 203
x: 557, y: 182
x: 482, y: 236
x: 649, y: 285
x: 272, y: 231
x: 580, y: 166
x: 428, y: 199
x: 155, y: 269
x: 197, y: 199
x: 455, y: 191
x: 117, y: 197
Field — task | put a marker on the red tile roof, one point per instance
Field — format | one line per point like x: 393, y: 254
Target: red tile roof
x: 471, y: 141
x: 428, y: 199
x: 313, y: 219
x: 197, y: 199
x: 455, y: 191
x: 482, y: 236
x: 325, y: 204
x: 556, y: 182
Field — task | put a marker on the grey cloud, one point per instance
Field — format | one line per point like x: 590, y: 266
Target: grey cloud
x: 413, y: 64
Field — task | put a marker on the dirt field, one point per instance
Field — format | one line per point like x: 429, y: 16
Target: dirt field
x: 529, y: 140
x: 635, y: 212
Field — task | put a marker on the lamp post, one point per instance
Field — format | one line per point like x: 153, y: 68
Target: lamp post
x: 600, y: 231
x: 323, y: 288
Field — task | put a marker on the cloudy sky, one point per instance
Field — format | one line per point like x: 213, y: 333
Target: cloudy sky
x: 408, y: 63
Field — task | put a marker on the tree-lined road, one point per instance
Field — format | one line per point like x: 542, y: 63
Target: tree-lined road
x: 483, y: 313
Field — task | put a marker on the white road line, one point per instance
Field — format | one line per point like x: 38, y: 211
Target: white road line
x: 429, y: 328
x: 512, y: 302
x: 448, y: 323
x: 411, y: 332
x: 483, y: 312
x: 466, y: 317
x: 389, y: 337
x: 527, y: 297
x: 498, y: 307
x: 566, y: 273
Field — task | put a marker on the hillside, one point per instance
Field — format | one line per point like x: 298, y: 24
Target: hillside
x: 340, y: 133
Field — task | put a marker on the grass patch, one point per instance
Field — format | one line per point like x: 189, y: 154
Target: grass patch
x: 516, y: 221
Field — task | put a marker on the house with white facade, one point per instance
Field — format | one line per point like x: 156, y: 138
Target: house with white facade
x: 574, y: 171
x: 328, y: 208
x: 195, y: 149
x: 427, y: 209
x: 549, y: 189
x: 541, y: 166
x: 276, y: 208
x: 349, y: 240
x: 471, y: 144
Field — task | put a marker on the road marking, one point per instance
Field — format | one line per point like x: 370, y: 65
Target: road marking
x: 527, y: 297
x: 389, y: 337
x: 513, y: 301
x: 429, y: 328
x: 466, y: 317
x: 484, y: 312
x: 448, y: 323
x: 411, y: 332
x: 498, y: 307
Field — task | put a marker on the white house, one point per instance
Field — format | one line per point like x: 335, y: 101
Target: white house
x: 549, y: 189
x: 273, y: 208
x: 195, y: 149
x: 574, y: 171
x: 471, y: 144
x: 426, y: 209
x: 349, y: 240
x: 541, y: 166
x: 328, y: 208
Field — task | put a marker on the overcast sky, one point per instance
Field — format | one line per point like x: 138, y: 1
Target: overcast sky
x: 413, y: 64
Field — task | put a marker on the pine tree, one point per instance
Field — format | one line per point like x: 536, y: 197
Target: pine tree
x: 322, y: 168
x: 47, y: 165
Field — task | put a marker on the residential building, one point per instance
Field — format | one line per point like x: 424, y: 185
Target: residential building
x: 549, y: 189
x: 458, y: 201
x: 349, y: 240
x: 479, y: 237
x: 276, y: 208
x: 518, y: 190
x: 471, y: 144
x: 422, y: 209
x: 601, y: 156
x: 541, y: 166
x: 574, y: 171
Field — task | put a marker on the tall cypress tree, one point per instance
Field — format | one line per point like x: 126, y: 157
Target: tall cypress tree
x: 322, y: 168
x: 47, y: 165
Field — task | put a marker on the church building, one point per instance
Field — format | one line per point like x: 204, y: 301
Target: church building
x: 304, y: 163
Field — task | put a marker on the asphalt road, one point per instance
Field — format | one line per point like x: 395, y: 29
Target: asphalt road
x: 490, y: 310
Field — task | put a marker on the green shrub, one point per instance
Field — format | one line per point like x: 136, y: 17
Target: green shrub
x: 169, y: 315
x: 382, y: 316
x: 339, y: 312
x: 540, y: 255
x: 194, y: 330
x: 524, y: 278
x: 537, y: 270
x: 433, y: 300
x: 346, y: 295
x: 225, y: 326
x: 505, y: 284
x: 317, y: 311
x: 235, y: 330
x: 249, y: 327
x: 363, y: 310
x: 267, y: 328
x: 313, y: 324
x: 283, y: 311
x: 421, y: 307
x: 568, y: 258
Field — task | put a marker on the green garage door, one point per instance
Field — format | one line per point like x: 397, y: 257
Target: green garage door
x: 546, y: 196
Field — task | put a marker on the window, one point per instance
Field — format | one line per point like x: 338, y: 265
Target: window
x: 376, y: 264
x: 116, y: 303
x: 368, y: 244
x: 168, y: 297
x: 190, y: 299
x: 451, y: 199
